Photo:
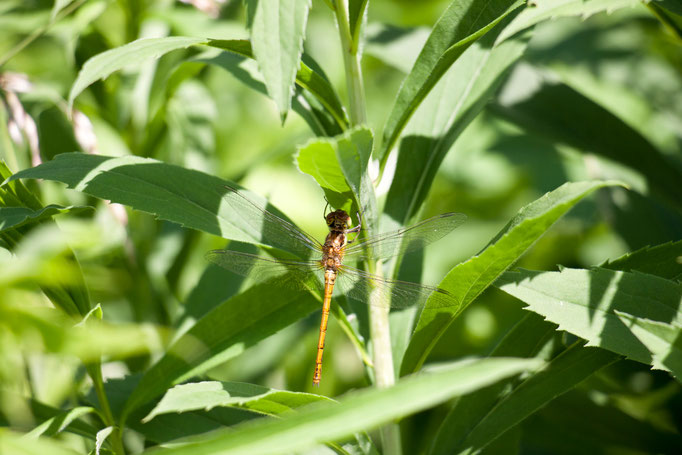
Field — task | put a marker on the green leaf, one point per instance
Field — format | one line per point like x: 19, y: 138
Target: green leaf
x: 467, y: 280
x: 15, y: 443
x: 57, y: 7
x: 452, y: 104
x: 102, y: 65
x: 54, y: 417
x: 559, y: 376
x: 187, y: 197
x: 210, y: 394
x: 674, y: 6
x: 542, y: 10
x: 14, y: 193
x: 223, y: 333
x: 664, y: 341
x: 306, y: 78
x: 50, y: 330
x: 632, y: 314
x: 14, y: 217
x: 339, y: 165
x: 22, y: 209
x: 580, y: 123
x: 356, y: 14
x: 462, y: 23
x: 357, y: 411
x: 102, y: 436
x: 60, y: 422
x: 277, y: 32
x: 660, y: 260
x: 527, y: 338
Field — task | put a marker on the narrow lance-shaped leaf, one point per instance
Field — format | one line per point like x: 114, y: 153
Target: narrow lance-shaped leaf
x: 11, y: 442
x: 467, y: 280
x: 632, y: 314
x: 559, y: 376
x: 14, y: 217
x: 210, y: 394
x: 356, y: 412
x: 580, y: 123
x: 187, y: 197
x: 21, y: 209
x: 60, y: 422
x: 452, y: 104
x: 102, y: 65
x: 202, y: 397
x: 223, y: 333
x: 660, y: 260
x: 543, y: 10
x: 277, y: 32
x: 356, y: 14
x: 306, y: 78
x: 462, y: 23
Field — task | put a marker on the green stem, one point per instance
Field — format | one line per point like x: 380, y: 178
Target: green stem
x: 351, y: 60
x: 95, y: 372
x: 384, y: 371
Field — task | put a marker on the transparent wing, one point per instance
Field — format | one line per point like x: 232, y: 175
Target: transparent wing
x: 405, y: 240
x: 365, y: 287
x: 272, y: 229
x: 304, y: 275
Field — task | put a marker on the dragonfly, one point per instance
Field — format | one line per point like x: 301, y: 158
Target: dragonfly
x: 326, y: 271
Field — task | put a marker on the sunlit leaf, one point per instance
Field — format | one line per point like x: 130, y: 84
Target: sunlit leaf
x: 223, y: 333
x: 187, y: 197
x: 60, y: 422
x: 102, y: 65
x: 306, y: 78
x: 530, y: 100
x: 357, y: 411
x: 209, y: 394
x: 467, y: 280
x: 15, y: 443
x: 448, y: 109
x: 632, y: 314
x: 277, y: 32
x: 499, y: 414
x: 660, y: 260
x: 339, y: 165
x: 542, y: 10
x: 49, y: 330
x: 462, y: 23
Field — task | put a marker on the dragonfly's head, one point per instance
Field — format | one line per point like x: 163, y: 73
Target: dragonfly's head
x: 338, y: 220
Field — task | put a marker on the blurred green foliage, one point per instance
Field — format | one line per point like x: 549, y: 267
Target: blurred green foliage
x: 591, y: 98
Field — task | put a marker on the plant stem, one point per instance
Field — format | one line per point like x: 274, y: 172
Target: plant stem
x: 351, y: 60
x: 95, y: 372
x: 384, y: 372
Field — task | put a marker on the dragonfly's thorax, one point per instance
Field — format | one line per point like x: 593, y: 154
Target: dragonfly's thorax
x: 332, y: 251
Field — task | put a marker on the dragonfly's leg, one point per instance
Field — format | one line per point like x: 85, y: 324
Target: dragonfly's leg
x: 355, y: 229
x: 324, y: 213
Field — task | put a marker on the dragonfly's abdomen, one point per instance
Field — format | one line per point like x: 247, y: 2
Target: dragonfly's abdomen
x: 329, y: 280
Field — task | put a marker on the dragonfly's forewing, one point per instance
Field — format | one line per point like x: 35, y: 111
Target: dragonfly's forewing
x: 390, y: 244
x: 365, y: 287
x: 269, y: 228
x: 303, y: 275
